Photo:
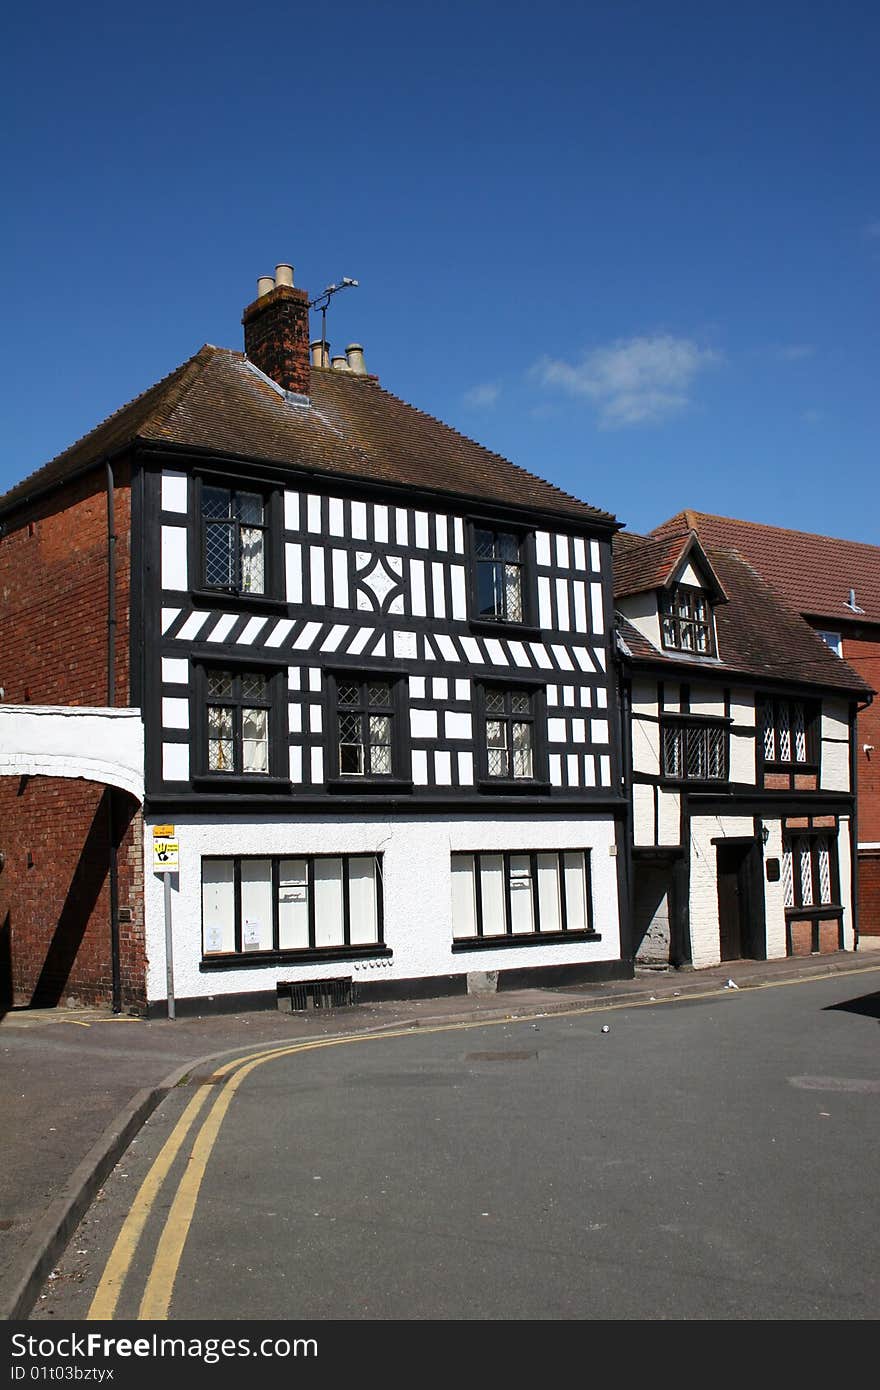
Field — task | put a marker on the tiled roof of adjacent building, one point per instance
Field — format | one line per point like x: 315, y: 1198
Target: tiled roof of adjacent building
x: 815, y: 573
x: 760, y: 635
x: 218, y: 402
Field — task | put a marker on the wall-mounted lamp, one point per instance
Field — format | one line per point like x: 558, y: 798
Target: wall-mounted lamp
x: 867, y: 749
x: 765, y: 833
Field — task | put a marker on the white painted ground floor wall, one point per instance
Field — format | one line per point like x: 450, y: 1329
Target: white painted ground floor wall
x: 704, y: 917
x: 417, y: 895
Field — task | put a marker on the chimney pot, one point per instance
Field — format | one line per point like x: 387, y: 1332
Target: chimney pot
x: 320, y: 353
x: 355, y: 356
x: 284, y: 275
x: 264, y: 285
x: 276, y: 331
x: 340, y: 364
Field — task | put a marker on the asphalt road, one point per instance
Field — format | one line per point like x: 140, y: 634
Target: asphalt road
x: 705, y: 1159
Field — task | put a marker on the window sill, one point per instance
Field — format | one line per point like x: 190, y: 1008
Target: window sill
x: 242, y: 782
x: 808, y: 769
x: 396, y: 786
x: 249, y: 960
x: 499, y: 628
x: 723, y: 783
x: 245, y: 603
x: 823, y: 910
x: 498, y: 943
x: 513, y: 786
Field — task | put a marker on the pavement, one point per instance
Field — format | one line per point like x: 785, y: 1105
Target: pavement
x: 76, y: 1085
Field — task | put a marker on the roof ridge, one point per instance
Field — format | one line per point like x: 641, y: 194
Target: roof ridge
x: 188, y: 373
x: 785, y: 530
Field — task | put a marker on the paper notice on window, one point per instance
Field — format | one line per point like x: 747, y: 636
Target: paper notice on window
x: 292, y: 893
x: 213, y: 940
x: 250, y: 937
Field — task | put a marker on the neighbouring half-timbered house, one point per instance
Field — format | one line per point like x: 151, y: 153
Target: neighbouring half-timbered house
x: 374, y: 664
x: 741, y: 758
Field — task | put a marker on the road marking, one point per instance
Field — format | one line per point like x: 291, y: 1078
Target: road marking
x: 160, y: 1284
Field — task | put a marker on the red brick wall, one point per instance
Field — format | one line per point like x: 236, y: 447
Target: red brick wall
x: 55, y: 897
x: 869, y: 893
x: 53, y: 586
x: 55, y: 915
x: 864, y: 657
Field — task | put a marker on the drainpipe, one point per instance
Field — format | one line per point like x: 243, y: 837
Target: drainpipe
x: 111, y: 701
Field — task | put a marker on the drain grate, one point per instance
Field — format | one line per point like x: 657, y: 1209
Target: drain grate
x: 294, y: 996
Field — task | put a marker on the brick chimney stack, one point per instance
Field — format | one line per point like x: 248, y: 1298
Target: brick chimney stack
x: 276, y: 331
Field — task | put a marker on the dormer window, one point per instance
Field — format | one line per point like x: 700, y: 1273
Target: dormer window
x: 686, y: 620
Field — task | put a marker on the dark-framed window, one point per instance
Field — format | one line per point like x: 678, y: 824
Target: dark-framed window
x: 511, y: 896
x: 686, y: 620
x: 238, y: 728
x: 259, y: 906
x: 501, y: 575
x: 367, y: 727
x: 809, y: 870
x: 509, y: 743
x: 234, y: 529
x: 788, y: 735
x: 694, y: 751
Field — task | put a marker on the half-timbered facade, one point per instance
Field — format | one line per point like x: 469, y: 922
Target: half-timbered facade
x: 741, y: 750
x: 375, y: 667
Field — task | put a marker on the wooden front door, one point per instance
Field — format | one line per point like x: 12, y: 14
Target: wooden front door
x: 740, y: 905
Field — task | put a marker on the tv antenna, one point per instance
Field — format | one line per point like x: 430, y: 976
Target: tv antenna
x: 322, y: 300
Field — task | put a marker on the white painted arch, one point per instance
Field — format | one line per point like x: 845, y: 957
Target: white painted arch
x: 95, y: 744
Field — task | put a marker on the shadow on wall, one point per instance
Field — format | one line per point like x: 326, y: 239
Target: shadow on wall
x: 81, y: 901
x: 5, y: 966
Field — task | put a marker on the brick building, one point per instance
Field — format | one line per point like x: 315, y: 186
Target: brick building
x: 835, y: 585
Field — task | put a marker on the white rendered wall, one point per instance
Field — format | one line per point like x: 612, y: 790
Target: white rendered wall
x: 99, y: 745
x: 834, y: 775
x: 641, y: 610
x: 417, y: 895
x: 704, y: 924
x: 743, y: 754
x: 844, y: 868
x: 774, y: 894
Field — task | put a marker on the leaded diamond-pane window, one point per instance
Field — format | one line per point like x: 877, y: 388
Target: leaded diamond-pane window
x: 809, y: 870
x: 365, y: 720
x: 788, y: 732
x: 237, y: 721
x: 499, y: 575
x: 509, y: 733
x: 695, y: 752
x: 234, y: 540
x: 686, y: 620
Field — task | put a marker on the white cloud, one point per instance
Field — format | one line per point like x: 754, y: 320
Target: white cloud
x: 634, y: 381
x: 482, y: 397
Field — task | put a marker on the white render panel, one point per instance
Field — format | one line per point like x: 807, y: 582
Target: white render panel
x: 401, y: 529
x: 420, y: 767
x: 835, y: 723
x: 306, y: 637
x: 545, y: 610
x: 175, y: 713
x: 645, y: 746
x: 317, y: 761
x: 844, y: 862
x: 597, y: 608
x: 542, y: 548
x: 192, y: 627
x: 313, y: 513
x: 293, y: 570
x: 291, y: 510
x: 440, y: 687
x: 421, y: 538
x: 555, y: 761
x: 315, y: 679
x: 459, y: 592
x: 458, y: 725
x: 222, y: 628
x: 175, y: 670
x: 294, y: 718
x: 438, y: 590
x: 705, y: 930
x: 835, y: 766
x: 556, y: 731
x: 466, y: 769
x: 462, y: 690
x: 417, y: 588
x: 174, y: 487
x: 423, y: 723
x: 380, y: 524
x: 336, y: 516
x: 174, y: 567
x: 316, y: 567
x: 580, y: 606
x: 405, y: 645
x: 580, y: 553
x: 562, y: 561
x: 443, y: 768
x: 175, y: 765
x: 774, y: 894
x: 280, y: 632
x: 742, y: 708
x: 563, y: 622
x: 743, y: 763
x: 417, y: 687
x: 359, y: 521
x: 644, y: 695
x: 690, y: 576
x: 599, y: 730
x: 168, y: 616
x: 706, y: 699
x: 458, y: 535
x: 296, y: 764
x: 669, y: 817
x: 360, y: 640
x: 340, y: 579
x: 643, y: 814
x: 641, y: 611
x: 594, y: 556
x: 251, y: 630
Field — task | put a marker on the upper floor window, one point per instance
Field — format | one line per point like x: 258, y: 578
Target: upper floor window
x: 695, y: 752
x: 364, y: 716
x: 509, y: 725
x: 499, y: 575
x: 788, y: 732
x: 686, y: 620
x: 234, y: 528
x: 238, y: 708
x: 832, y: 640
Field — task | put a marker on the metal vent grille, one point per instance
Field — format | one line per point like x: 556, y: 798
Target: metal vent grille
x: 295, y: 996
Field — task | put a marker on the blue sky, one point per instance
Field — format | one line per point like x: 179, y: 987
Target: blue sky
x: 633, y: 246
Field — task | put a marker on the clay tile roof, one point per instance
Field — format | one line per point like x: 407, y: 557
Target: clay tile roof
x: 217, y: 401
x: 815, y: 573
x: 760, y: 634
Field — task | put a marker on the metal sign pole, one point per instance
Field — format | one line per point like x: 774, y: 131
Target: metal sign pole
x: 169, y: 960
